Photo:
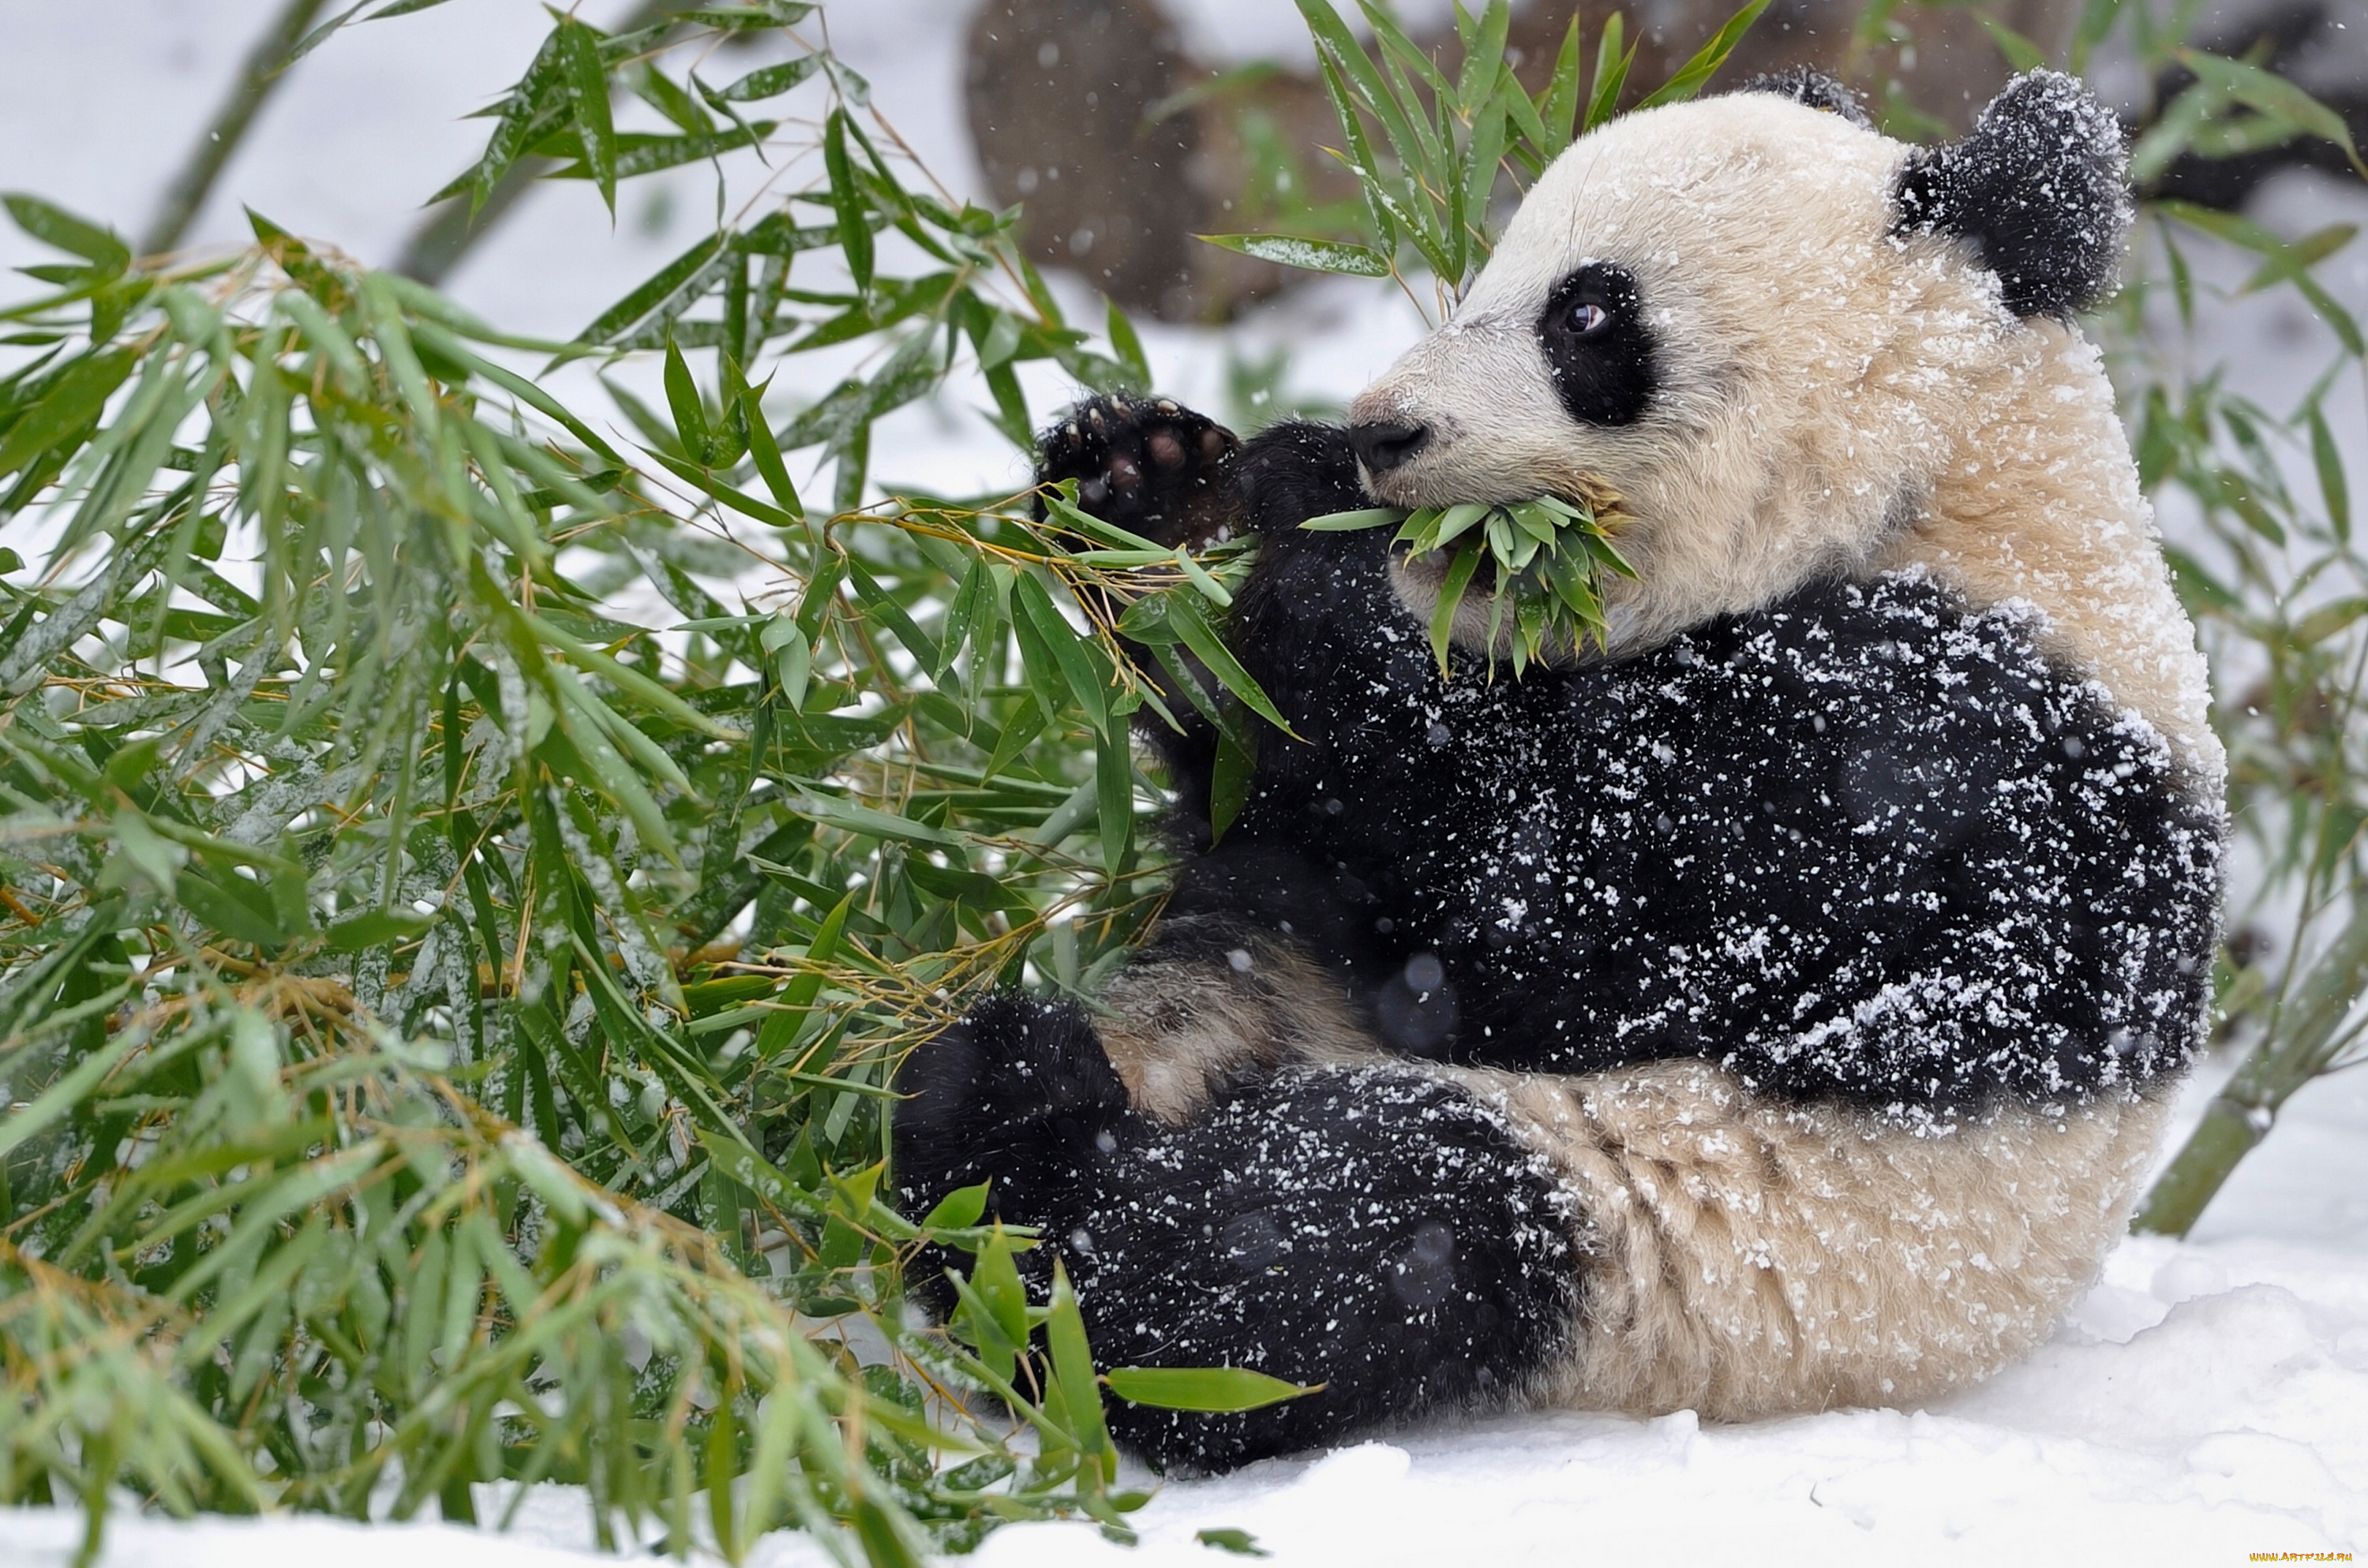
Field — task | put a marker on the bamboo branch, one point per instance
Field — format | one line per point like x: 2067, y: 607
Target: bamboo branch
x: 2303, y: 1041
x: 266, y: 64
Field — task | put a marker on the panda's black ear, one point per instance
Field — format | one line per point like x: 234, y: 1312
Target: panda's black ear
x: 1805, y: 85
x: 2040, y: 184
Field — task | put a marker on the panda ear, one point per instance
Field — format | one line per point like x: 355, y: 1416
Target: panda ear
x: 2040, y: 184
x: 1805, y: 85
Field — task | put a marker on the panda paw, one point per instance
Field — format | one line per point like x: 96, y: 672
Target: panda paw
x: 1149, y: 465
x: 1019, y: 1094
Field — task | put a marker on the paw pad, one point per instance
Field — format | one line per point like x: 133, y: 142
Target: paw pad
x: 1149, y: 465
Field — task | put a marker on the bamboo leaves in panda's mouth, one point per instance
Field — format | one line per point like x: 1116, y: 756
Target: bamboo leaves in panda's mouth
x: 1551, y: 557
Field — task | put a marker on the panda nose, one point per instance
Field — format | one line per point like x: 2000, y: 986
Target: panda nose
x: 1382, y: 448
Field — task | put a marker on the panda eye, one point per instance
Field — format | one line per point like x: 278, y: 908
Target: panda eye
x: 1598, y: 344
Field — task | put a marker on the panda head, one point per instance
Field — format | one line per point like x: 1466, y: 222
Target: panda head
x: 1761, y: 323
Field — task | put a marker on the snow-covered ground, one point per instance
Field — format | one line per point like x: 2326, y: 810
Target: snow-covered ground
x: 2207, y: 1400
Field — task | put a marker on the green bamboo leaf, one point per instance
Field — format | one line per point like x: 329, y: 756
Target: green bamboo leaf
x: 1450, y: 595
x: 1241, y: 1543
x: 765, y: 451
x: 614, y: 778
x: 740, y: 501
x: 1313, y: 256
x: 2305, y: 251
x: 770, y: 81
x: 1128, y: 346
x: 1350, y: 522
x: 2327, y: 619
x: 1073, y: 1375
x: 846, y: 197
x: 60, y: 1099
x: 1559, y: 105
x: 2098, y: 18
x: 1359, y: 77
x: 642, y: 152
x: 2272, y: 95
x: 2332, y: 488
x: 542, y: 91
x: 1191, y: 626
x: 375, y: 928
x: 1114, y: 795
x: 962, y: 614
x: 2278, y: 259
x: 683, y: 399
x: 1706, y: 60
x: 1611, y: 73
x: 1359, y: 155
x: 852, y: 816
x: 665, y: 295
x: 2022, y: 54
x: 587, y: 96
x: 1078, y: 668
x: 54, y: 426
x: 659, y: 696
x: 1483, y: 57
x: 737, y: 19
x: 1216, y: 1389
x: 1229, y: 785
x: 53, y: 225
x: 879, y: 603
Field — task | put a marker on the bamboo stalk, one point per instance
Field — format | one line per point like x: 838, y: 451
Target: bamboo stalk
x: 2304, y: 1037
x: 266, y: 64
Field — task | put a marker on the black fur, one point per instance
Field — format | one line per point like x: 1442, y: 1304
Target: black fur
x: 1806, y: 84
x: 1376, y: 1230
x: 2040, y: 186
x: 1865, y: 845
x: 1599, y: 346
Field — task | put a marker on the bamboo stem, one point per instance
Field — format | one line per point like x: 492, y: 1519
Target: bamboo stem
x: 266, y: 64
x: 2304, y: 1037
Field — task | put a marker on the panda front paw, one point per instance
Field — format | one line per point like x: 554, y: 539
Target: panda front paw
x: 1149, y: 465
x: 1019, y: 1094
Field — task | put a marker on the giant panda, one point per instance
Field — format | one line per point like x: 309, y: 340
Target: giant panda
x: 1773, y: 1009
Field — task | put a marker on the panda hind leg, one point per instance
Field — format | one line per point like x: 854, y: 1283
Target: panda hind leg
x: 1376, y: 1229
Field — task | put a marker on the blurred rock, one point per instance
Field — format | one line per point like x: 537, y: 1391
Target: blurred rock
x: 1123, y: 147
x: 1061, y: 95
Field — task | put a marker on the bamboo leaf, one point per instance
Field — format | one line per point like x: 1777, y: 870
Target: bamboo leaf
x: 1214, y: 1390
x: 2271, y: 94
x: 846, y: 197
x: 1611, y: 73
x: 1706, y: 60
x: 587, y: 94
x: 1313, y: 256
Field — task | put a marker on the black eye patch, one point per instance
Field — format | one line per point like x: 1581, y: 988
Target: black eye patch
x: 1598, y: 346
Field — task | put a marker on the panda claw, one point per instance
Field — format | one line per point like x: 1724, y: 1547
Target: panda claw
x: 1149, y: 465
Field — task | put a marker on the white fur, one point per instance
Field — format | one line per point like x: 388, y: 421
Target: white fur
x: 1748, y: 1258
x: 1831, y: 398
